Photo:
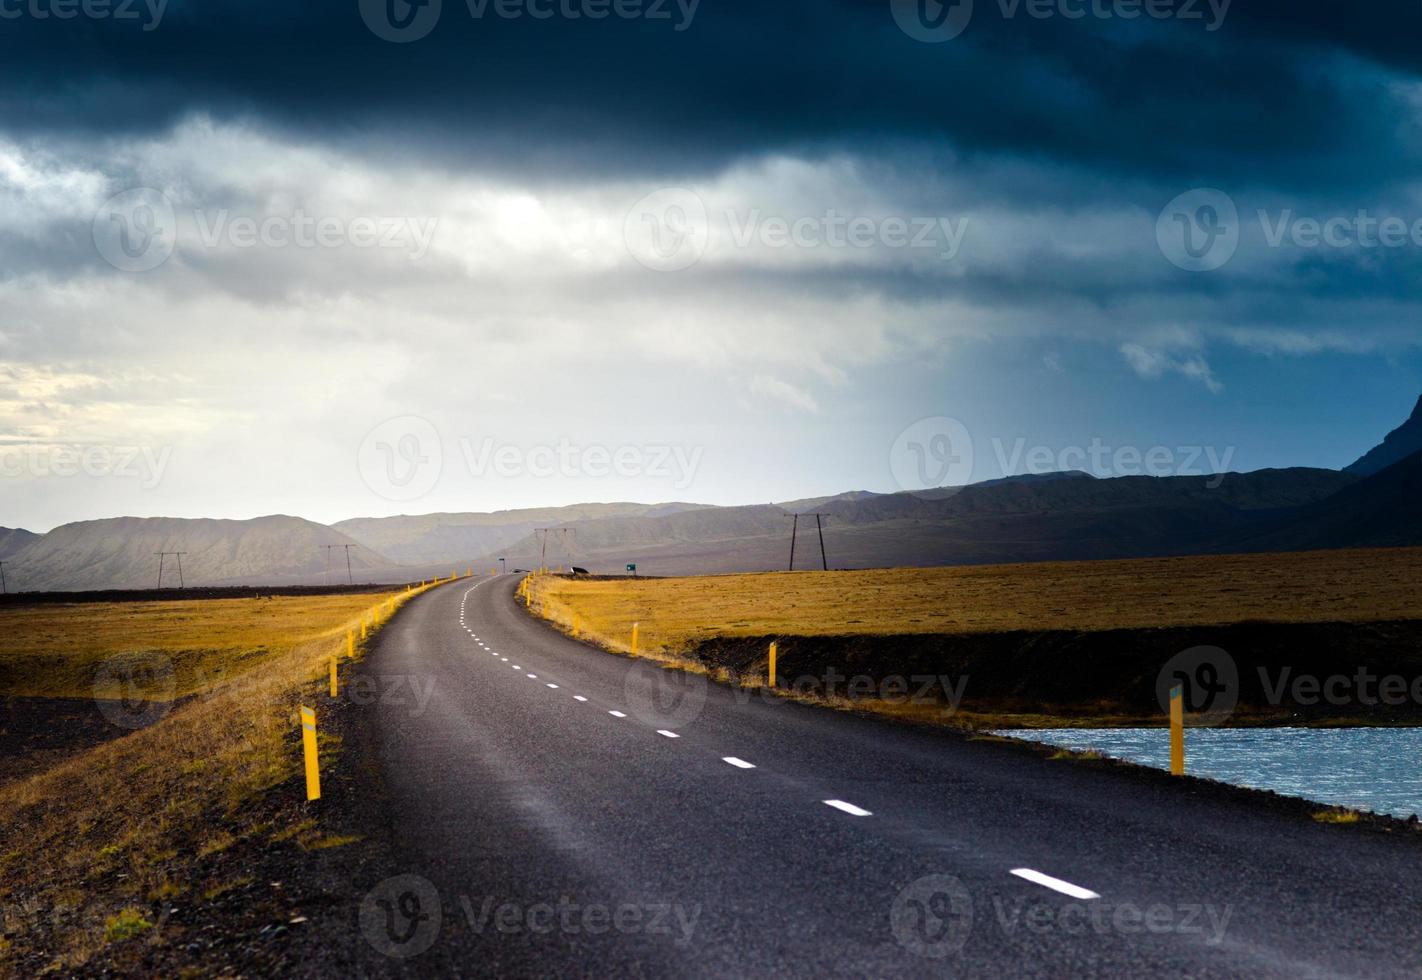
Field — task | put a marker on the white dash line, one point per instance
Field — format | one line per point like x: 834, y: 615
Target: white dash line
x: 617, y: 714
x: 663, y: 731
x: 533, y: 677
x: 1055, y: 884
x: 504, y: 659
x: 554, y: 686
x: 738, y: 763
x: 579, y: 697
x: 849, y: 808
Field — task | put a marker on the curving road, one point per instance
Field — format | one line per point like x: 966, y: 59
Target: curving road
x: 566, y: 812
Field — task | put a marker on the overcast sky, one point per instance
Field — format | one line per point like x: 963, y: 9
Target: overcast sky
x: 306, y: 258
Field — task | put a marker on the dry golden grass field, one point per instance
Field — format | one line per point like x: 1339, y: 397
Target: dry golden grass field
x: 55, y: 650
x: 675, y: 614
x: 89, y: 846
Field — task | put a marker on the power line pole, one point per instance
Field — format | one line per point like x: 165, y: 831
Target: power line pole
x: 819, y: 528
x: 795, y: 527
x: 3, y: 589
x: 171, y: 554
x: 349, y: 577
x: 542, y: 533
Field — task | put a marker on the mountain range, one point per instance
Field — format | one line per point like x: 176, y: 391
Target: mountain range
x: 1042, y: 517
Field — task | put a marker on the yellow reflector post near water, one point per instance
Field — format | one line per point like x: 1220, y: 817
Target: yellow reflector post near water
x: 1177, y: 731
x: 774, y: 651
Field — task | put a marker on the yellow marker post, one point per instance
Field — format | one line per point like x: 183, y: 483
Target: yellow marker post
x: 1177, y: 731
x: 774, y: 650
x: 350, y: 644
x: 634, y: 636
x: 362, y: 627
x: 308, y: 743
x: 577, y: 625
x: 333, y: 677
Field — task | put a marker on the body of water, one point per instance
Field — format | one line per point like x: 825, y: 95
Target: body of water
x: 1377, y: 769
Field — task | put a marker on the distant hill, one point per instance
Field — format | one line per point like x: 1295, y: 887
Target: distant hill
x: 1383, y: 510
x: 815, y: 503
x: 120, y: 553
x: 1399, y: 444
x: 1065, y: 516
x: 1003, y: 521
x: 12, y: 539
x: 440, y: 538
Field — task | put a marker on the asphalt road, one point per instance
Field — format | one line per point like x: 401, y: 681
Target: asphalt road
x: 551, y: 825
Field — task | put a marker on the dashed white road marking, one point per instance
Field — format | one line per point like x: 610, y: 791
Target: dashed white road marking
x: 1055, y: 884
x: 738, y: 763
x: 849, y: 808
x: 663, y: 731
x: 533, y: 677
x: 617, y: 714
x: 554, y: 686
x: 517, y: 667
x: 504, y: 659
x: 579, y: 697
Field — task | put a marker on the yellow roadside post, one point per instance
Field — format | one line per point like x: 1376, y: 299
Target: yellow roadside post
x: 774, y: 650
x: 362, y: 627
x: 577, y: 625
x: 634, y: 636
x: 333, y: 676
x: 1177, y: 731
x: 308, y: 744
x: 350, y: 644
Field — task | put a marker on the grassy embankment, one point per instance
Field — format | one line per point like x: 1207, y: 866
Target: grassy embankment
x: 1076, y: 643
x: 91, y: 847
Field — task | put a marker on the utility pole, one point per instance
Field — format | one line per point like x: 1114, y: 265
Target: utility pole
x: 349, y: 577
x: 542, y: 533
x: 819, y: 528
x: 503, y: 566
x: 3, y: 589
x: 171, y: 554
x: 793, y: 529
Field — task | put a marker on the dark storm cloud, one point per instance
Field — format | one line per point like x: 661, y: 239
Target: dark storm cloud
x: 1273, y: 94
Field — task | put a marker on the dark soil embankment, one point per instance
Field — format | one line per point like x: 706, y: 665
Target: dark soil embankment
x: 1107, y: 677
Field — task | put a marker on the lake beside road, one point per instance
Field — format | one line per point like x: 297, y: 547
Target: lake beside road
x: 1377, y: 769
